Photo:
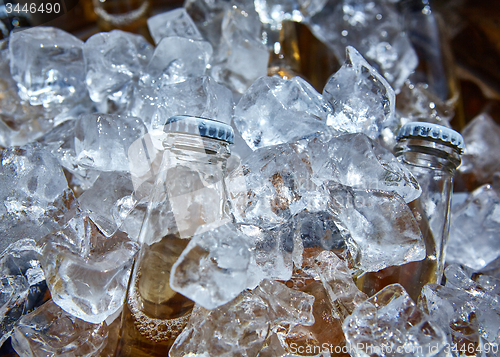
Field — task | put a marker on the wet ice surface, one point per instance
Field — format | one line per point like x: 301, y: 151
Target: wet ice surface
x: 114, y: 62
x: 390, y: 319
x: 47, y: 64
x: 351, y: 198
x: 22, y: 283
x: 482, y: 141
x: 102, y: 140
x: 109, y: 201
x: 49, y: 331
x: 362, y: 100
x: 176, y: 22
x: 87, y: 273
x: 240, y: 57
x: 467, y: 310
x: 176, y: 58
x: 35, y: 194
x: 375, y: 29
x: 221, y: 331
x: 275, y: 111
x: 326, y: 277
x: 474, y: 229
x: 155, y: 106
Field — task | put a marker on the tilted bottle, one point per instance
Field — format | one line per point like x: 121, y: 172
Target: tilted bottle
x: 189, y: 193
x: 432, y: 153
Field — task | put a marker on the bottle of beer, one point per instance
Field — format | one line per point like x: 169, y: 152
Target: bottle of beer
x: 432, y: 152
x: 189, y: 193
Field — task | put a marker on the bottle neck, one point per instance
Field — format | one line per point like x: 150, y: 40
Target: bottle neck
x: 189, y: 191
x: 428, y: 154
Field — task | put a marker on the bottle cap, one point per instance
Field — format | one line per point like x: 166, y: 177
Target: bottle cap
x: 200, y: 126
x: 433, y: 132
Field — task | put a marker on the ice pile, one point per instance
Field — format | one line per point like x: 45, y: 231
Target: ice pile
x: 390, y: 324
x: 375, y: 29
x: 467, y: 310
x: 35, y: 194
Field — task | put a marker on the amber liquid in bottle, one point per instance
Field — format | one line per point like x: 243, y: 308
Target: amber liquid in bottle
x: 154, y: 314
x: 412, y: 276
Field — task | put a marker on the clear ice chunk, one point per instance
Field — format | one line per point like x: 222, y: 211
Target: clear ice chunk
x: 215, y: 267
x: 468, y: 312
x: 114, y: 62
x: 391, y: 320
x: 22, y: 283
x: 326, y: 277
x: 276, y: 11
x: 102, y: 140
x: 240, y: 327
x: 109, y: 201
x: 482, y: 141
x: 175, y: 22
x: 199, y: 96
x: 47, y: 63
x: 275, y: 110
x: 375, y: 29
x: 240, y: 57
x: 177, y: 58
x: 87, y: 273
x: 382, y: 230
x: 474, y: 229
x: 20, y: 122
x: 207, y: 16
x: 49, y: 331
x: 35, y: 194
x: 362, y: 99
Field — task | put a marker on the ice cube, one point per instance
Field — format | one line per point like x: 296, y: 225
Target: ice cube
x: 20, y: 122
x: 327, y: 278
x: 175, y: 22
x: 35, y: 194
x: 114, y: 61
x: 240, y: 57
x: 362, y: 99
x: 87, y: 273
x: 199, y: 96
x: 109, y: 201
x: 207, y: 15
x: 389, y: 323
x: 22, y: 283
x: 176, y: 58
x: 382, y: 230
x: 102, y: 140
x: 468, y: 312
x: 474, y: 229
x: 47, y: 63
x: 215, y: 267
x: 375, y: 29
x: 275, y: 110
x: 49, y: 331
x: 481, y: 138
x: 275, y: 12
x: 240, y: 327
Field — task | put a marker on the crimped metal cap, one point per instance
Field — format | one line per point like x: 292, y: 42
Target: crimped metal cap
x: 432, y: 131
x: 208, y: 128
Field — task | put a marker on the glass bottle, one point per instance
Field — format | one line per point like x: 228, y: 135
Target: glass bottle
x: 188, y: 194
x: 432, y: 153
x: 284, y: 56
